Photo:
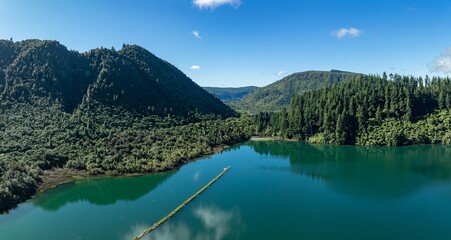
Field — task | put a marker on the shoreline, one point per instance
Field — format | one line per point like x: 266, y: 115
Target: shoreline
x: 56, y: 177
x: 258, y: 138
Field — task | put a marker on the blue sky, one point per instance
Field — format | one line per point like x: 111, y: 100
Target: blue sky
x: 250, y: 42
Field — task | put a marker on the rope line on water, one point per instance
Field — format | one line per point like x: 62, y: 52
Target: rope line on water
x: 154, y: 226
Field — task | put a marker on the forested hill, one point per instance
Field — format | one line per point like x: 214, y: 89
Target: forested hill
x: 132, y: 78
x: 100, y: 112
x: 279, y: 94
x: 229, y: 94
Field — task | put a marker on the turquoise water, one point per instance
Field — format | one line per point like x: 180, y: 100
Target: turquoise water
x: 274, y: 190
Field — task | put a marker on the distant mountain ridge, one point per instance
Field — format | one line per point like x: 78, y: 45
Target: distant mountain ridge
x: 279, y: 94
x: 230, y: 94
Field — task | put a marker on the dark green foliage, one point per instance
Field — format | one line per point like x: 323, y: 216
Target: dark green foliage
x: 278, y: 95
x: 436, y: 128
x: 228, y: 95
x: 138, y: 80
x: 367, y: 110
x: 18, y: 182
x: 46, y: 69
x: 102, y: 112
x: 132, y: 77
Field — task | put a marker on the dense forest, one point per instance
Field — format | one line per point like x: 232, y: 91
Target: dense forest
x: 126, y: 111
x: 367, y: 110
x: 100, y: 112
x: 278, y: 95
x: 132, y: 78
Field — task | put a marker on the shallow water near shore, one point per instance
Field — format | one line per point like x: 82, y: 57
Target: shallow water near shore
x: 274, y: 190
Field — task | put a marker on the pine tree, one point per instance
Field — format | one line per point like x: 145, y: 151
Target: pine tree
x: 361, y: 119
x: 448, y: 102
x: 408, y: 114
x: 340, y: 135
x: 441, y: 100
x: 378, y: 115
x: 283, y: 122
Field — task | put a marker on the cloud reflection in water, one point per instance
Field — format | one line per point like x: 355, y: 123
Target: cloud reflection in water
x: 216, y: 224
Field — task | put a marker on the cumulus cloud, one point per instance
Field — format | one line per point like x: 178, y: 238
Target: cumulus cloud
x: 347, y: 33
x: 196, y: 34
x: 443, y: 62
x: 212, y: 4
x: 195, y: 67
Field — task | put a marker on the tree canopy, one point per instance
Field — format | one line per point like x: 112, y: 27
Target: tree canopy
x: 357, y: 110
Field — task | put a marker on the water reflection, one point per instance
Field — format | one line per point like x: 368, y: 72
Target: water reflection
x: 217, y: 222
x: 208, y: 223
x: 378, y: 172
x: 100, y: 191
x: 165, y: 232
x: 197, y: 175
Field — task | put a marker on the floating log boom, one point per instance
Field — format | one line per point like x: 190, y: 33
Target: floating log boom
x: 153, y: 227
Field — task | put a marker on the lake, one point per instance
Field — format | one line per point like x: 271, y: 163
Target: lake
x: 274, y: 190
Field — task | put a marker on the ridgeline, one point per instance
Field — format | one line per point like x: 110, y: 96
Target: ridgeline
x: 100, y: 112
x: 278, y: 95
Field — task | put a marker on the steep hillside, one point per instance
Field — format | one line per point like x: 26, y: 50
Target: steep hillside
x: 228, y: 95
x: 99, y: 112
x: 131, y: 78
x: 44, y: 69
x: 279, y: 94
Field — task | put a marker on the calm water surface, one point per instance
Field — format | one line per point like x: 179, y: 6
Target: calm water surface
x: 274, y: 190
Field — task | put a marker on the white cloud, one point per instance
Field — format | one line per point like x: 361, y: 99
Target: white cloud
x: 212, y: 4
x: 195, y: 67
x: 443, y: 62
x: 347, y: 33
x: 281, y: 73
x: 196, y: 34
